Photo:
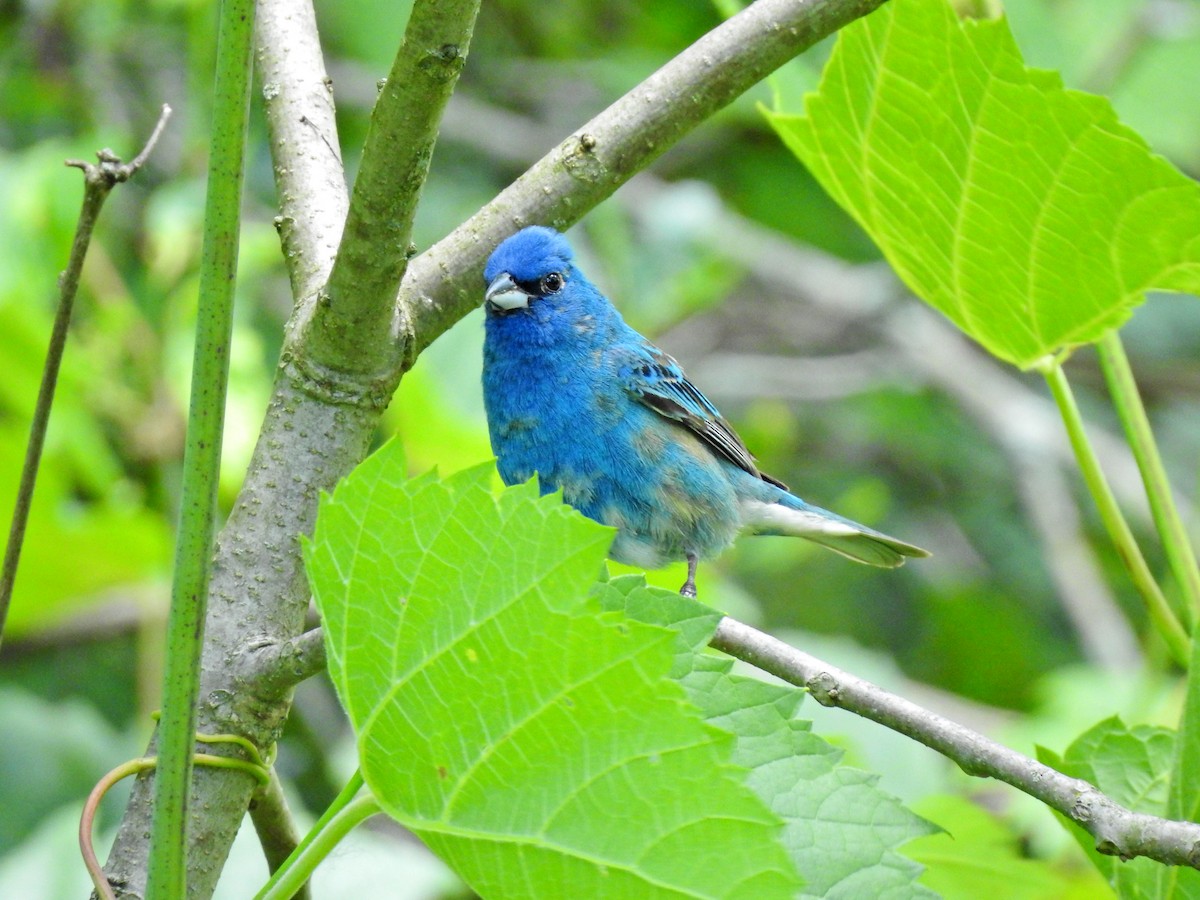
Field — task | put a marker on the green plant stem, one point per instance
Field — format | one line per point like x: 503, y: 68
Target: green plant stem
x: 1176, y: 542
x: 1118, y: 529
x: 99, y: 180
x: 343, y: 814
x: 167, y: 867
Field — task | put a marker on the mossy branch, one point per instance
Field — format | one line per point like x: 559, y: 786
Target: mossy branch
x: 354, y: 328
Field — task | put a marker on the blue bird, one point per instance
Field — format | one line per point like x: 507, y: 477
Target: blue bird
x: 578, y: 397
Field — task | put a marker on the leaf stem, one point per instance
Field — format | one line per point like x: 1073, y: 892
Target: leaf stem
x: 1176, y: 542
x: 1118, y: 529
x: 346, y: 811
x: 166, y: 874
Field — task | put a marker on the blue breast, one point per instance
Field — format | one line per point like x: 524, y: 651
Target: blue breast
x: 556, y: 408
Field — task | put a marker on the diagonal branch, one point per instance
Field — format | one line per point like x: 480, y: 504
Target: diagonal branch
x: 442, y: 284
x: 1117, y: 830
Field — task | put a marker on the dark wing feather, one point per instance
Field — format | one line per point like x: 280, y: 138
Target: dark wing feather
x: 656, y: 380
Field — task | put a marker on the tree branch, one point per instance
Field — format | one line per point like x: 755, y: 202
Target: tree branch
x: 357, y: 307
x: 302, y: 125
x: 1117, y: 830
x: 275, y: 827
x: 442, y: 284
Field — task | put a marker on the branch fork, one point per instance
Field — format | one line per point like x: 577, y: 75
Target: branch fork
x: 110, y: 171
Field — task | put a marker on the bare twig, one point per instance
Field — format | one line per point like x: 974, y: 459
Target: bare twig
x: 98, y: 180
x: 1117, y: 830
x: 275, y: 827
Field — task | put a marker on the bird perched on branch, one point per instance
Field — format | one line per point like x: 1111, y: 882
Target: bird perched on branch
x: 578, y: 397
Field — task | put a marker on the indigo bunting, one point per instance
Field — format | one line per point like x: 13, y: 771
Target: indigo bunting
x: 578, y: 397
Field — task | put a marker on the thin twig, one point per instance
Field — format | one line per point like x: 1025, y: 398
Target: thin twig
x: 98, y: 180
x: 276, y: 829
x: 1117, y: 830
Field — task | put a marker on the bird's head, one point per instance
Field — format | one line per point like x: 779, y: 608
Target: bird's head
x: 533, y: 264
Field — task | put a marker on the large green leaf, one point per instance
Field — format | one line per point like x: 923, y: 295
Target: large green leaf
x: 1132, y: 766
x: 977, y: 856
x: 842, y: 830
x: 532, y: 742
x: 1025, y: 212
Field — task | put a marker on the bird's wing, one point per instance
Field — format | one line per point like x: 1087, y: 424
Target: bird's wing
x: 655, y: 379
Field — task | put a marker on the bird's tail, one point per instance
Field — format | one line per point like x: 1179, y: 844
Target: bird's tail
x: 789, y: 515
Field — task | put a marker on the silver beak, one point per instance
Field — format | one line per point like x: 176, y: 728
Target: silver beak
x: 503, y: 293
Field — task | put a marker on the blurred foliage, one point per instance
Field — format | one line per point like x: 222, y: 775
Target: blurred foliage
x: 868, y: 434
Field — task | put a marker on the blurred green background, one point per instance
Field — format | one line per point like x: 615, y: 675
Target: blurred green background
x: 1022, y: 624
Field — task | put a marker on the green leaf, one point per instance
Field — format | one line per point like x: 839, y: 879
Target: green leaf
x: 976, y: 856
x: 531, y: 741
x: 842, y: 831
x: 1132, y: 766
x: 1025, y: 212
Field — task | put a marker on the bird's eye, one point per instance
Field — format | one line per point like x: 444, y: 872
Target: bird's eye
x: 552, y: 283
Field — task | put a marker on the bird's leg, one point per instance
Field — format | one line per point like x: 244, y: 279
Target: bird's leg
x: 689, y: 586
